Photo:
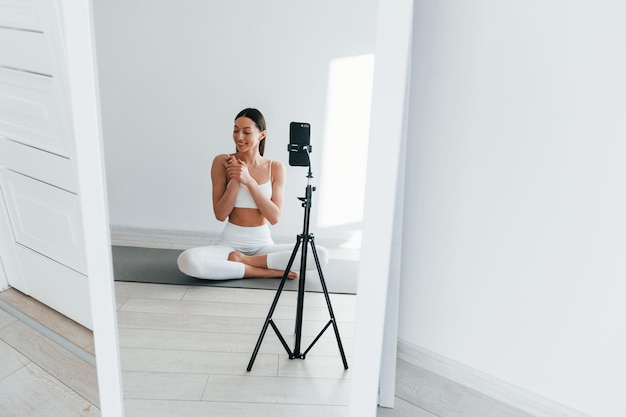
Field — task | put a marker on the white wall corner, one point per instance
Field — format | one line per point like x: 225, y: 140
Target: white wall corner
x: 490, y: 386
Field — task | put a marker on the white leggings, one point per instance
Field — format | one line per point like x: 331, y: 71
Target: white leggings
x: 211, y: 262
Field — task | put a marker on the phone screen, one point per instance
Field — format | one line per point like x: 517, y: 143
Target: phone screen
x: 300, y: 135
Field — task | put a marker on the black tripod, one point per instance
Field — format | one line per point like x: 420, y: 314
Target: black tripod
x: 303, y: 239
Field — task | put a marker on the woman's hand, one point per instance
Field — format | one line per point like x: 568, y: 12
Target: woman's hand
x: 236, y: 170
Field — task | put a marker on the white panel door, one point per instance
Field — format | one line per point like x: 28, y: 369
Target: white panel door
x: 19, y: 14
x: 45, y: 219
x: 24, y: 50
x: 8, y: 250
x: 29, y: 105
x: 44, y: 166
x: 55, y: 285
x: 41, y: 236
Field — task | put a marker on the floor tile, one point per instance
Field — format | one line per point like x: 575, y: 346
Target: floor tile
x: 403, y: 409
x: 34, y: 393
x: 6, y: 319
x: 197, y: 362
x: 147, y: 290
x: 221, y: 324
x: 313, y: 367
x: 147, y: 408
x: 277, y: 390
x: 11, y: 361
x: 163, y: 386
x: 250, y: 296
x: 188, y: 322
x: 225, y: 342
x: 55, y: 360
x: 230, y: 310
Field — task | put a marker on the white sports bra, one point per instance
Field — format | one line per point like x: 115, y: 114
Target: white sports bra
x: 244, y: 198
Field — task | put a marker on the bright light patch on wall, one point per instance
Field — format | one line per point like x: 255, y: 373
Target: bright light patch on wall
x: 346, y: 136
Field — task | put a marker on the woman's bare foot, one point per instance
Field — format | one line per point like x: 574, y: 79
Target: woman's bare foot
x: 256, y: 266
x: 255, y: 272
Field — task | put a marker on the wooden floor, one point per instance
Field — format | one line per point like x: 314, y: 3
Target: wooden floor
x: 184, y: 352
x: 38, y: 377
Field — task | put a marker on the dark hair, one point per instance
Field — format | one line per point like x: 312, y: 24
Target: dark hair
x: 258, y: 119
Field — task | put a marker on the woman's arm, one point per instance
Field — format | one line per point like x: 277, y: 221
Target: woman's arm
x: 224, y: 192
x: 271, y: 209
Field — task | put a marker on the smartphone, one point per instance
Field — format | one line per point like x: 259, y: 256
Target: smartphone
x: 299, y: 136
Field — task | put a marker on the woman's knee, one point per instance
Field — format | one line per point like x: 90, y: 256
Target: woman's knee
x: 188, y: 263
x: 322, y: 255
x: 195, y: 264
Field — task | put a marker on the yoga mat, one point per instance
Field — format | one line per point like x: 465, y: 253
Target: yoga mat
x: 158, y: 266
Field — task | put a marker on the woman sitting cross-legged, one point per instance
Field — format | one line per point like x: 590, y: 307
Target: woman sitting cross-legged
x: 248, y: 192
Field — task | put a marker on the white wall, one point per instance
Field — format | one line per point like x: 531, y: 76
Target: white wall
x: 174, y: 75
x: 515, y: 225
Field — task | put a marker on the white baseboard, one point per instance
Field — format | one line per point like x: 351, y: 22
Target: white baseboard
x: 185, y: 237
x: 495, y: 388
x: 120, y: 232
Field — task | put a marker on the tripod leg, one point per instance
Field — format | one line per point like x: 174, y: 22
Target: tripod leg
x: 268, y: 320
x: 300, y: 304
x: 330, y: 307
x: 258, y: 345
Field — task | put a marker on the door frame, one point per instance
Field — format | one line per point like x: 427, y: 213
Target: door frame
x: 388, y: 110
x: 77, y: 18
